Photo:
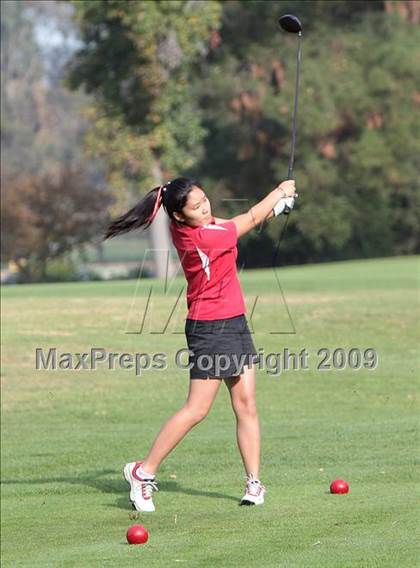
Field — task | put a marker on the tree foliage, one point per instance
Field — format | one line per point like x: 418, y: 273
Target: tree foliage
x: 137, y: 59
x: 47, y: 215
x: 44, y: 170
x: 41, y: 123
x: 207, y: 88
x: 358, y: 123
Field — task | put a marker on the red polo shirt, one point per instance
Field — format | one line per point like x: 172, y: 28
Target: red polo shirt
x: 208, y: 256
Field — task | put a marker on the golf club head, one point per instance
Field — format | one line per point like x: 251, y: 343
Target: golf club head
x: 290, y: 23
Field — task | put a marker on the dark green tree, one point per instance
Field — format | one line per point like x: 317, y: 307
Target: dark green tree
x: 358, y: 124
x: 210, y: 93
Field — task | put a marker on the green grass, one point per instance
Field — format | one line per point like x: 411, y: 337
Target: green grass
x: 67, y: 434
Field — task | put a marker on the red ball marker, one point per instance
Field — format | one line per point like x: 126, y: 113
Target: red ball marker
x: 137, y: 534
x: 339, y: 486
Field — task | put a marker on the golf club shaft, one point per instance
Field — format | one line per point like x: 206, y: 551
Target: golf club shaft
x: 295, y: 107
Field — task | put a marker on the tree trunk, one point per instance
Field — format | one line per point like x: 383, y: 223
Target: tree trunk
x: 42, y: 269
x: 160, y: 240
x: 25, y: 272
x: 100, y: 252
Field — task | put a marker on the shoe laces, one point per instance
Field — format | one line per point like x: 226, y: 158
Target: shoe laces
x: 148, y: 486
x: 250, y: 480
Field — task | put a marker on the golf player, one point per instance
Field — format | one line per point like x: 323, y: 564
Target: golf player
x: 219, y: 341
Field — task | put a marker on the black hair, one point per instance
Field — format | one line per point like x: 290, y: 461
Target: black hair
x: 174, y: 196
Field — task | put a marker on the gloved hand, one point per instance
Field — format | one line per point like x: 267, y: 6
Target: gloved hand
x: 284, y: 205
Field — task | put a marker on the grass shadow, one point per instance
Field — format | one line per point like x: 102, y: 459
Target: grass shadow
x: 104, y: 482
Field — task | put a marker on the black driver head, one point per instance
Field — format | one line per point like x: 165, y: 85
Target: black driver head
x: 290, y: 23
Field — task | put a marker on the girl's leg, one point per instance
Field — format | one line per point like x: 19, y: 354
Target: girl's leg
x: 200, y: 399
x: 242, y: 395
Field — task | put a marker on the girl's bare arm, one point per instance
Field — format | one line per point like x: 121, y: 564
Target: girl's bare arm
x: 263, y: 209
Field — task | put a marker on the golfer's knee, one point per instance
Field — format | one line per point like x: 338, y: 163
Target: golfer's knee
x: 245, y: 407
x: 196, y: 414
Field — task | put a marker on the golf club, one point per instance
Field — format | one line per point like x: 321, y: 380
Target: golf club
x: 292, y: 24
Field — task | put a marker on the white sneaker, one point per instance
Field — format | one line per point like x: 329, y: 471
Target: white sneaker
x: 254, y: 491
x: 140, y: 489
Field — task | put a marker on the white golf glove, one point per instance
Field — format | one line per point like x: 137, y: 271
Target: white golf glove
x: 284, y: 205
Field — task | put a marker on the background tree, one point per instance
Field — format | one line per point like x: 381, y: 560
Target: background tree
x: 21, y: 72
x: 358, y: 136
x: 46, y: 216
x: 42, y: 127
x: 209, y: 94
x: 138, y: 59
x: 41, y: 122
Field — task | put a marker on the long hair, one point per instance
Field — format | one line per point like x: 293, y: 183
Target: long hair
x: 172, y: 195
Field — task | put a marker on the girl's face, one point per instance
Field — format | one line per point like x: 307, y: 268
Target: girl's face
x: 197, y: 210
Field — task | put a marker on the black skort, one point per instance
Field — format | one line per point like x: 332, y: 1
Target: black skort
x: 219, y: 348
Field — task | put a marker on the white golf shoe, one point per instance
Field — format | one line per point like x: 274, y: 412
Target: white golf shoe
x: 254, y: 491
x: 141, y: 490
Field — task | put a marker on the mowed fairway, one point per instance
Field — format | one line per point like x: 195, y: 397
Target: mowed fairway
x: 67, y: 434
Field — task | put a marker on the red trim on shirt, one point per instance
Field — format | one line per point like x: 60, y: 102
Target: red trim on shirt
x: 208, y: 256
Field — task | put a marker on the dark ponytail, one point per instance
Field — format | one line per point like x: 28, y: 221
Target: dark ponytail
x: 173, y: 196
